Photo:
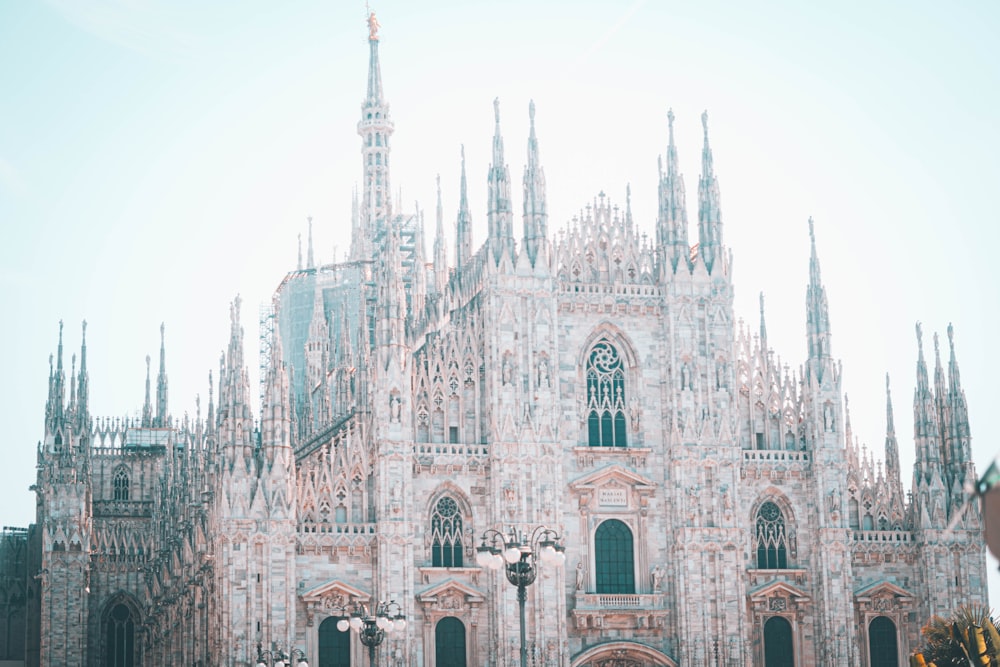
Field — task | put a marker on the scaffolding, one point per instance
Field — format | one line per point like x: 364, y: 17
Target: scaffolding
x: 266, y: 339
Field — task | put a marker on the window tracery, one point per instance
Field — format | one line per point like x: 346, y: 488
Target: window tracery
x: 446, y: 534
x: 121, y: 484
x: 771, y: 538
x: 606, y: 421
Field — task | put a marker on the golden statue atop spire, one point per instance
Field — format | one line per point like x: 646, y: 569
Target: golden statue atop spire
x: 373, y: 25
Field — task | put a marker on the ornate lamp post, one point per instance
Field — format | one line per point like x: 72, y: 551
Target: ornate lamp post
x: 520, y: 558
x: 278, y: 658
x: 371, y: 627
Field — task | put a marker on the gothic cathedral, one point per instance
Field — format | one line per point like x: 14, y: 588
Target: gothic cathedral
x: 714, y: 507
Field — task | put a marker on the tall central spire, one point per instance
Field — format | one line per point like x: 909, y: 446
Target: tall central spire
x: 535, y: 214
x: 501, y: 233
x: 672, y: 224
x: 375, y: 129
x: 709, y: 212
x: 817, y: 313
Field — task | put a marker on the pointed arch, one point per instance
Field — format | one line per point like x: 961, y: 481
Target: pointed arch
x: 773, y: 542
x: 449, y: 518
x: 610, y: 369
x: 121, y: 483
x: 121, y: 620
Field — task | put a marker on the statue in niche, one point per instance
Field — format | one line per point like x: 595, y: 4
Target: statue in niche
x: 633, y: 409
x: 828, y: 417
x: 543, y: 373
x: 507, y: 370
x: 395, y: 407
x: 727, y: 501
x: 685, y: 376
x: 395, y: 497
x: 581, y: 575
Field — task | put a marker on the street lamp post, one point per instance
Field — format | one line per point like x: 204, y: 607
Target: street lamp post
x: 520, y: 558
x: 275, y: 657
x: 372, y: 627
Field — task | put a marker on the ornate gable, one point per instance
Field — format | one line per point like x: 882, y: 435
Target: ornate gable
x: 451, y: 598
x: 331, y: 599
x: 613, y: 488
x: 883, y: 597
x: 778, y: 597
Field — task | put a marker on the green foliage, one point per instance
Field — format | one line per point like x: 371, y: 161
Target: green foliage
x: 970, y: 636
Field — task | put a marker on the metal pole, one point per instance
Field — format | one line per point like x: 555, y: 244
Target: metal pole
x: 522, y: 595
x: 371, y: 655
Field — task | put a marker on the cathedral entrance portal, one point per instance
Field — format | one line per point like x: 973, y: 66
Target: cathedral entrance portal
x: 622, y: 654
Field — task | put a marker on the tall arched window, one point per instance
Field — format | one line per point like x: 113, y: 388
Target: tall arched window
x: 334, y: 645
x: 605, y: 396
x: 449, y: 643
x: 771, y: 538
x: 121, y: 484
x: 882, y: 648
x: 614, y: 563
x: 778, y: 648
x: 446, y: 534
x: 119, y: 637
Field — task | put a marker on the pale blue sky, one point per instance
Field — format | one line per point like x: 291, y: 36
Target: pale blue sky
x: 157, y: 158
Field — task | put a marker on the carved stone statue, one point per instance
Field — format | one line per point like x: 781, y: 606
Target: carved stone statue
x: 656, y: 577
x: 373, y: 26
x: 581, y: 574
x: 543, y: 373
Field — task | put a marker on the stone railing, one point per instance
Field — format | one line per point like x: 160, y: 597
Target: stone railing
x: 901, y: 536
x: 622, y: 601
x: 125, y: 508
x: 450, y: 449
x: 337, y: 528
x: 598, y: 612
x: 774, y: 455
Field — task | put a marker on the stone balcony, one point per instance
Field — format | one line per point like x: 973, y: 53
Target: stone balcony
x: 620, y: 611
x: 123, y: 508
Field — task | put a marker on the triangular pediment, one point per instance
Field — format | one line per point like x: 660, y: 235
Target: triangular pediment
x: 883, y: 589
x: 450, y: 588
x: 335, y: 590
x: 610, y: 475
x: 776, y: 589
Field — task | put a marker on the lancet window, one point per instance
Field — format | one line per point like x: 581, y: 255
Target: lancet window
x: 120, y: 644
x: 121, y: 484
x: 446, y: 534
x: 605, y: 396
x: 771, y: 538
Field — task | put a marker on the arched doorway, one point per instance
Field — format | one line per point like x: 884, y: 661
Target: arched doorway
x: 449, y: 643
x: 883, y: 651
x: 778, y: 647
x: 334, y: 645
x: 622, y: 654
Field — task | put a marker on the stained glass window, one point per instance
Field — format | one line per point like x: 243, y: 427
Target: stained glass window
x: 605, y: 397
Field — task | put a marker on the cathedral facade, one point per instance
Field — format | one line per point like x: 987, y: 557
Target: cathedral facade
x: 714, y: 506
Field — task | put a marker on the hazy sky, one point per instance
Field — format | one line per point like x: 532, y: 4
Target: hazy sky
x: 158, y: 158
